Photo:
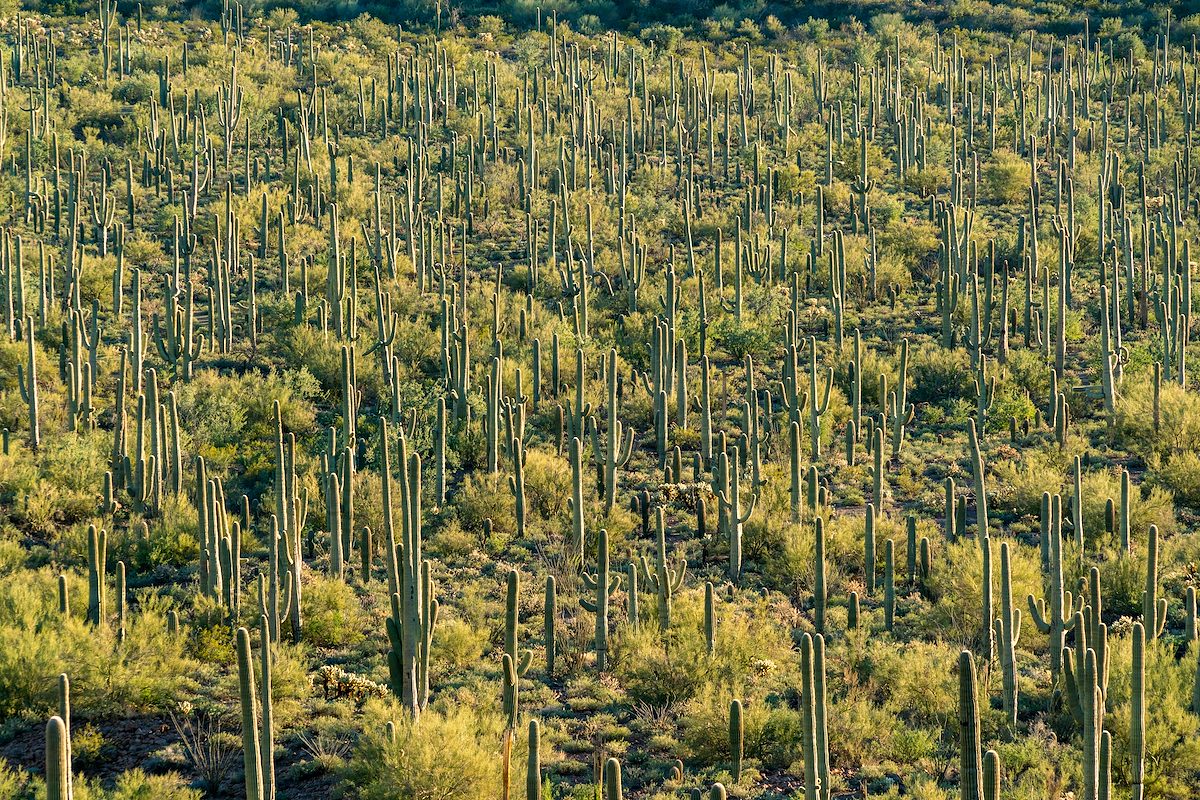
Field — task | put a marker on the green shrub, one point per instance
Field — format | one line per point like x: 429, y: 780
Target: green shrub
x: 937, y: 375
x: 1181, y: 474
x: 1008, y: 178
x: 450, y: 755
x: 457, y: 645
x: 1149, y: 506
x: 37, y: 643
x: 1179, y: 419
x: 332, y: 613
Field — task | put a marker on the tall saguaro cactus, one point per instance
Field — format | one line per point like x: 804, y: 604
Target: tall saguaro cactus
x: 251, y: 743
x: 620, y: 440
x: 58, y: 760
x: 27, y: 381
x: 666, y: 579
x: 970, y: 754
x: 603, y: 582
x: 414, y: 607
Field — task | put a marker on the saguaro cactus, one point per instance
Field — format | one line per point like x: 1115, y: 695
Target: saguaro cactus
x: 620, y: 440
x: 665, y: 580
x: 58, y: 760
x: 1154, y: 610
x: 533, y: 763
x: 612, y: 780
x: 735, y: 514
x: 1008, y: 632
x: 816, y: 408
x: 550, y: 623
x: 1054, y: 615
x: 737, y: 733
x: 521, y: 659
x: 981, y: 511
x: 970, y: 755
x: 251, y: 752
x: 814, y: 737
x: 414, y: 607
x: 604, y: 583
x: 97, y: 552
x: 27, y: 382
x: 1137, y: 712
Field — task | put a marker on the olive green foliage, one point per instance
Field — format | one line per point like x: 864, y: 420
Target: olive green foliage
x: 452, y: 755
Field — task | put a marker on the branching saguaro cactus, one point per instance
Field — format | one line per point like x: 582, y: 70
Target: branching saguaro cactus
x: 666, y: 578
x: 604, y: 583
x: 516, y: 661
x: 414, y: 606
x: 816, y: 408
x: 1008, y: 632
x: 1054, y: 615
x: 902, y: 412
x: 813, y: 715
x: 734, y: 514
x: 620, y: 440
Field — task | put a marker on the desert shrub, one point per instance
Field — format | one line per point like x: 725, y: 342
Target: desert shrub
x: 1149, y: 506
x: 771, y: 734
x: 450, y: 755
x: 457, y: 644
x: 138, y: 785
x: 938, y: 375
x: 87, y: 745
x: 752, y: 653
x: 12, y: 781
x: 1179, y: 419
x: 547, y: 483
x: 132, y: 785
x: 1029, y: 371
x: 37, y: 643
x: 739, y: 339
x: 169, y: 539
x: 957, y: 586
x: 1021, y: 482
x: 333, y: 615
x: 1007, y: 178
x: 487, y: 497
x: 1181, y: 475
